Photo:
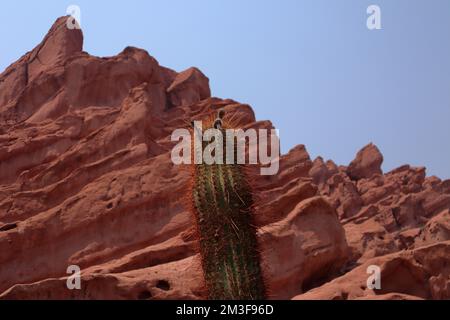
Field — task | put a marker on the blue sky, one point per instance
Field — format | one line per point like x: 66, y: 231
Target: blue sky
x: 310, y: 66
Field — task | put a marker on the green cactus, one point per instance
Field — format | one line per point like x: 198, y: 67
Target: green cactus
x: 223, y: 209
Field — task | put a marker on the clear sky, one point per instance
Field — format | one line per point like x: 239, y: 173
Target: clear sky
x: 310, y: 66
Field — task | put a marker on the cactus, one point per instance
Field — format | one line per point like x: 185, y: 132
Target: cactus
x: 223, y: 208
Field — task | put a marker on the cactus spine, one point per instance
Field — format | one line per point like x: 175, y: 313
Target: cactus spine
x: 223, y: 208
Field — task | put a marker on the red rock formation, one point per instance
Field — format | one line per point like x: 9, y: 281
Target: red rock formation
x: 421, y: 273
x: 366, y: 164
x: 86, y: 179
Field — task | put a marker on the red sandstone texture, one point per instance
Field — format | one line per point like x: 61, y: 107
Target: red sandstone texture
x: 86, y: 179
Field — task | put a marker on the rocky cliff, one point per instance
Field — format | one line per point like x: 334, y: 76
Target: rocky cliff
x: 86, y: 179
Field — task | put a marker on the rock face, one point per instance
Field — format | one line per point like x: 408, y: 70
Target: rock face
x: 366, y: 164
x: 421, y: 273
x: 86, y: 179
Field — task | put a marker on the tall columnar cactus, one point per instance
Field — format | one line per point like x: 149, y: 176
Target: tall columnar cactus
x: 223, y: 209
